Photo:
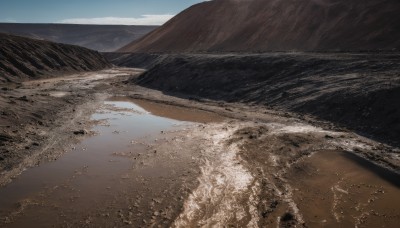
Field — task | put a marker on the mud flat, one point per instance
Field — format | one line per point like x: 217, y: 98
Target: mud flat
x: 115, y: 167
x: 311, y: 177
x: 361, y: 194
x: 39, y: 118
x: 112, y: 161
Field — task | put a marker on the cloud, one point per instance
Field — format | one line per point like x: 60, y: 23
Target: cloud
x: 9, y: 20
x: 143, y: 20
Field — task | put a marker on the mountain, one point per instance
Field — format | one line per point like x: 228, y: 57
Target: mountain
x: 24, y: 58
x: 278, y: 25
x: 104, y: 38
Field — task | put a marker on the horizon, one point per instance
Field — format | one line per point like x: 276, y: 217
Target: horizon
x: 101, y: 12
x: 27, y: 23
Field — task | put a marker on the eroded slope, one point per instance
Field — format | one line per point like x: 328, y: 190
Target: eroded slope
x: 24, y: 58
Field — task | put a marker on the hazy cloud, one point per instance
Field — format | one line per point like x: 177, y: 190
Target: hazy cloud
x: 143, y: 20
x: 8, y: 20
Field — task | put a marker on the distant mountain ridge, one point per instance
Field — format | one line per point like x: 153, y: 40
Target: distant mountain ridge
x: 104, y: 38
x: 278, y: 25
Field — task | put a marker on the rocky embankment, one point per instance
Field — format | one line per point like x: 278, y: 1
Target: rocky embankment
x: 24, y: 58
x: 358, y: 91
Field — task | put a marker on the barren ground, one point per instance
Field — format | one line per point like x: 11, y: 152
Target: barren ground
x: 243, y: 165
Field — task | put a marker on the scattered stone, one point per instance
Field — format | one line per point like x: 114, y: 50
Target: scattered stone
x: 127, y: 222
x: 81, y: 132
x: 23, y: 98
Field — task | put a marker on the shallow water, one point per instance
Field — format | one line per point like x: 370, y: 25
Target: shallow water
x: 344, y: 190
x: 91, y: 172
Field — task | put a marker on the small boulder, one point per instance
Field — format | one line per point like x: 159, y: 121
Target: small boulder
x: 81, y: 132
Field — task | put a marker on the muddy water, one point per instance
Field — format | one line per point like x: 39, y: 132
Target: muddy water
x: 92, y: 174
x: 340, y: 189
x: 178, y: 113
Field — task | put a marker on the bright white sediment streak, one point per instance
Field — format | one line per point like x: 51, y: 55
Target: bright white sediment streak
x: 276, y: 128
x: 223, y: 183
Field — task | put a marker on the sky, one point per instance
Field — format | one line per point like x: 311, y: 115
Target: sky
x: 130, y: 12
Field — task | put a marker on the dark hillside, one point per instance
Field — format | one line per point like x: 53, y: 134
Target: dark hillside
x: 24, y: 58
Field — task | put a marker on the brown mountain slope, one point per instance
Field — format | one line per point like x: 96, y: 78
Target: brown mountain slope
x: 24, y: 58
x: 277, y: 25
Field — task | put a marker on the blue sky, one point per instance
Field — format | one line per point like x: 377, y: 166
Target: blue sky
x: 92, y: 11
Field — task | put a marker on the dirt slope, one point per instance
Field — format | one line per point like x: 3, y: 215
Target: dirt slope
x: 360, y: 91
x: 102, y: 38
x: 24, y: 58
x: 274, y: 25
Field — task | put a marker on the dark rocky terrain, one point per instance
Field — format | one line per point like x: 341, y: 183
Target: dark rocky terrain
x: 25, y: 58
x: 359, y: 91
x: 102, y: 38
x: 274, y: 25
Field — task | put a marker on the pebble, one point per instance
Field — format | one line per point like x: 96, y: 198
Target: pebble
x: 81, y: 132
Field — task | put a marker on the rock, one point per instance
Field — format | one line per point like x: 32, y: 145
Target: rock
x: 23, y: 98
x: 81, y: 132
x: 287, y: 217
x: 5, y: 138
x: 128, y: 222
